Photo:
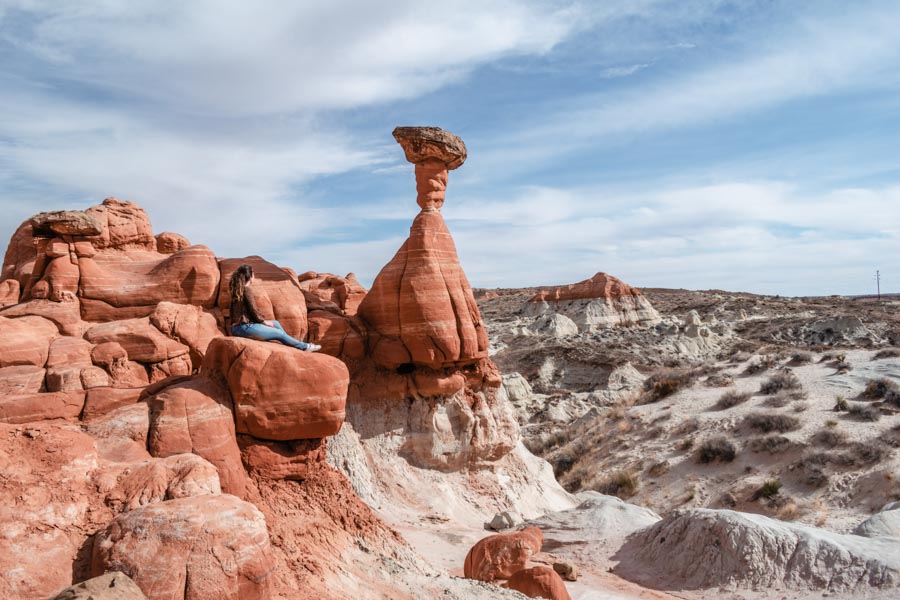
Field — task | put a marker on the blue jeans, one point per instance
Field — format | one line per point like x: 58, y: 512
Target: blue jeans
x: 264, y: 333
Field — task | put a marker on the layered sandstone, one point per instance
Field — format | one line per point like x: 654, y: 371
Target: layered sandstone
x: 601, y: 301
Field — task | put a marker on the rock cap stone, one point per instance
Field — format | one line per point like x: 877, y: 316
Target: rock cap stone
x: 424, y: 143
x: 65, y: 222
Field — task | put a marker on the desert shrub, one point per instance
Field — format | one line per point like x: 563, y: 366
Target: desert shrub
x: 763, y: 363
x: 841, y: 404
x: 829, y: 438
x: 658, y: 469
x: 769, y: 422
x: 769, y: 489
x: 831, y: 423
x: 664, y: 384
x: 801, y: 407
x: 887, y: 353
x: 719, y: 380
x: 892, y: 397
x: 731, y: 398
x: 563, y: 464
x: 860, y: 454
x: 623, y: 483
x: 878, y: 388
x: 782, y: 380
x: 802, y: 357
x: 811, y: 469
x: 891, y: 437
x: 740, y: 356
x: 863, y: 412
x: 687, y: 426
x: 785, y: 397
x: 826, y: 357
x: 685, y: 444
x: 717, y: 449
x: 773, y: 444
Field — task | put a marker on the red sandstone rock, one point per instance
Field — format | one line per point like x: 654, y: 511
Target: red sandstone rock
x: 195, y: 415
x: 600, y: 285
x: 94, y: 377
x: 190, y: 325
x: 499, y: 556
x: 280, y: 393
x: 64, y: 379
x: 325, y: 291
x: 339, y: 336
x: 158, y: 479
x: 121, y: 433
x: 117, y: 285
x: 102, y: 400
x: 278, y: 293
x: 141, y: 340
x: 539, y: 582
x: 9, y: 292
x: 281, y: 460
x: 69, y: 351
x: 25, y: 408
x: 109, y: 586
x: 170, y: 243
x: 174, y: 367
x: 107, y: 354
x: 22, y: 379
x: 26, y: 341
x: 65, y: 315
x: 211, y: 546
x: 64, y: 222
x: 421, y: 308
x: 128, y: 374
x: 123, y: 225
x: 18, y: 262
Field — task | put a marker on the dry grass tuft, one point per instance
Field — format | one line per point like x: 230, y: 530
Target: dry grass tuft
x: 730, y: 399
x: 878, y: 388
x: 717, y: 449
x: 773, y: 444
x: 887, y: 353
x: 801, y: 358
x: 623, y: 484
x: 763, y: 363
x: 769, y: 489
x: 829, y: 438
x: 782, y: 380
x: 769, y: 422
x: 863, y: 412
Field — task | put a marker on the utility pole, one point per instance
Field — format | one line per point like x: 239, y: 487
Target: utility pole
x: 878, y: 283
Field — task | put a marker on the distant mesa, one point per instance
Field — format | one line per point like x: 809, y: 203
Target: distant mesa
x: 601, y: 301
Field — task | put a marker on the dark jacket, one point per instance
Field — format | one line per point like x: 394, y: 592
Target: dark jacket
x: 246, y: 311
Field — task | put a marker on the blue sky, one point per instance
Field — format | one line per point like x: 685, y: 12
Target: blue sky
x: 741, y: 145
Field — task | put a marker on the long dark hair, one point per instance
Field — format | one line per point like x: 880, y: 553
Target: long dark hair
x: 238, y: 282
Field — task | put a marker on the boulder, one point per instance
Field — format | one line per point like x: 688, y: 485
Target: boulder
x: 505, y: 520
x: 102, y: 400
x: 156, y: 480
x: 705, y: 548
x: 108, y: 354
x: 109, y: 586
x: 279, y: 393
x: 278, y: 293
x: 566, y: 570
x: 885, y: 523
x: 65, y: 315
x: 200, y: 547
x: 324, y: 291
x: 539, y: 582
x: 64, y: 379
x: 141, y: 340
x: 25, y: 408
x: 22, y: 379
x: 64, y: 222
x: 9, y: 292
x: 68, y: 351
x: 420, y: 309
x: 123, y: 225
x: 500, y: 555
x: 194, y: 416
x: 26, y: 341
x: 174, y: 367
x: 190, y: 325
x: 170, y: 243
x: 339, y: 336
x: 18, y: 262
x: 94, y: 377
x: 121, y: 433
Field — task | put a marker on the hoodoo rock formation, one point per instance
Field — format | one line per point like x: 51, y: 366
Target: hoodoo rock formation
x: 137, y: 438
x: 601, y: 301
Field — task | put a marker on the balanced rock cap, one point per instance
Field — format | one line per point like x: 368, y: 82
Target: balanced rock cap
x: 65, y: 222
x: 423, y: 143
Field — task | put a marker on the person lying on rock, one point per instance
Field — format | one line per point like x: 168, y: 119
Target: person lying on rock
x: 246, y: 320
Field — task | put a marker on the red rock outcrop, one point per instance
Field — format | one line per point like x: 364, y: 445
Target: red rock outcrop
x: 209, y: 546
x: 420, y: 309
x: 600, y: 285
x: 499, y: 556
x: 277, y: 293
x: 65, y: 315
x: 18, y: 261
x: 195, y: 416
x: 139, y: 338
x: 9, y: 292
x: 26, y: 341
x: 279, y: 393
x: 539, y: 582
x: 25, y: 408
x: 190, y: 325
x: 21, y: 379
x: 109, y: 586
x: 324, y: 291
x: 339, y: 336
